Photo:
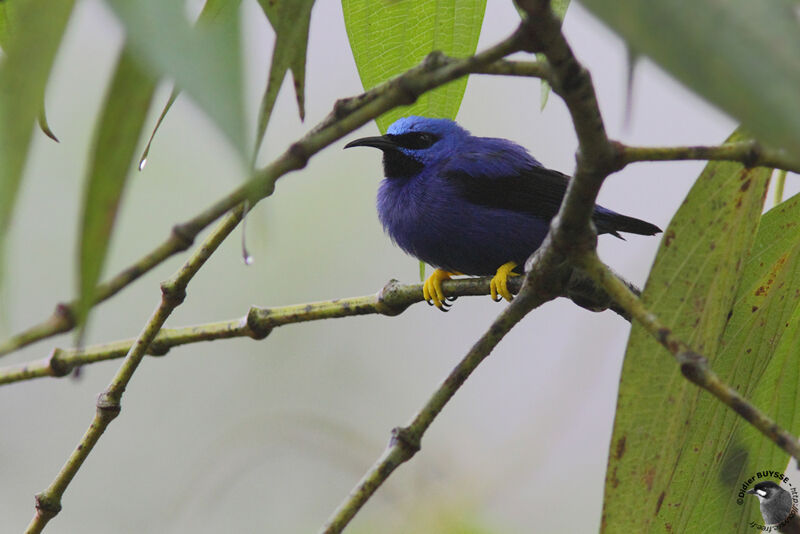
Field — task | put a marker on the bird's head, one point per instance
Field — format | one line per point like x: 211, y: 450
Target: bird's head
x: 766, y: 490
x: 413, y: 143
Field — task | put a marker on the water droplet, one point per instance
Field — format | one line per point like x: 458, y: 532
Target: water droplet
x: 142, y: 163
x: 248, y: 259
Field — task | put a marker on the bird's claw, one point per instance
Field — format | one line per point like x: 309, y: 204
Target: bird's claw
x: 498, y: 287
x: 432, y: 290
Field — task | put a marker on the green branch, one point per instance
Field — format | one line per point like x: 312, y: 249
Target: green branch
x: 748, y: 153
x: 392, y: 300
x: 406, y: 441
x: 173, y: 291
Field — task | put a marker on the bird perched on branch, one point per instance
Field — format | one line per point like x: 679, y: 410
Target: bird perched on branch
x: 470, y: 205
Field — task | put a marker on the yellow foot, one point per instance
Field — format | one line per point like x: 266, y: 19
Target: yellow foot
x: 499, y: 284
x: 432, y: 289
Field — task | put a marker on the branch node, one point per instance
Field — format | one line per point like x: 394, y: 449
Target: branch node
x: 408, y: 93
x: 298, y: 152
x: 618, y: 156
x: 753, y: 156
x: 108, y: 407
x: 47, y: 506
x: 64, y: 315
x: 157, y: 348
x: 58, y: 367
x: 173, y: 294
x: 693, y: 366
x: 405, y: 439
x: 184, y: 235
x: 434, y: 60
x: 390, y: 301
x: 256, y: 327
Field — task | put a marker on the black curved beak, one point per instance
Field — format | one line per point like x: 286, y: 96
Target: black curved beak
x: 384, y: 142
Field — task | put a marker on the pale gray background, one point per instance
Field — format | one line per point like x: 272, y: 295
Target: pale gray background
x: 269, y: 436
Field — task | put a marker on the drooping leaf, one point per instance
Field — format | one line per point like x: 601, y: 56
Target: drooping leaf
x: 204, y: 60
x: 44, y: 126
x: 112, y: 155
x: 742, y: 56
x: 173, y: 96
x: 24, y: 70
x: 660, y: 441
x: 8, y: 24
x: 290, y: 20
x: 211, y: 12
x: 388, y: 37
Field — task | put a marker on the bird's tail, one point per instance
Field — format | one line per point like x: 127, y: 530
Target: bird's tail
x: 613, y: 223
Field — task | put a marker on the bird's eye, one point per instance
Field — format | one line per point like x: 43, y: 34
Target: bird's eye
x: 415, y: 140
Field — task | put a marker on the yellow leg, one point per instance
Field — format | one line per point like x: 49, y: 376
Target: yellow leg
x: 432, y: 288
x: 499, y: 284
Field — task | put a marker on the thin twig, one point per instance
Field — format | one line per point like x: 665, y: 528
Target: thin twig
x: 694, y: 366
x: 748, y: 153
x: 406, y: 441
x: 391, y: 300
x: 173, y: 291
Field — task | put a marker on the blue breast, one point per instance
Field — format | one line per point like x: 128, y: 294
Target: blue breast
x: 426, y: 217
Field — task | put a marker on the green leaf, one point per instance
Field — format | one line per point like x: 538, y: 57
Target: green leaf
x: 212, y: 11
x: 205, y: 61
x: 390, y: 37
x: 8, y: 11
x: 9, y: 23
x: 44, y: 126
x: 290, y: 21
x: 113, y: 149
x: 666, y: 428
x: 24, y: 70
x: 758, y: 355
x: 741, y: 55
x: 559, y: 7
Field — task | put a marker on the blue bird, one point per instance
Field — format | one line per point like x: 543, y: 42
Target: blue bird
x: 470, y: 205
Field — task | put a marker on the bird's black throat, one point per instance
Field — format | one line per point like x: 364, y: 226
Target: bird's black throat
x: 399, y: 165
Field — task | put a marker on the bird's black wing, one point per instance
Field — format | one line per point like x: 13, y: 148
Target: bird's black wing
x: 534, y: 190
x: 537, y: 191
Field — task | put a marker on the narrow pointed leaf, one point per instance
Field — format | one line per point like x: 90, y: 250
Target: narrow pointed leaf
x: 44, y: 126
x: 113, y: 151
x: 212, y: 10
x: 742, y: 56
x: 205, y: 60
x: 389, y: 37
x: 173, y: 96
x: 663, y: 425
x: 24, y: 69
x: 290, y: 20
